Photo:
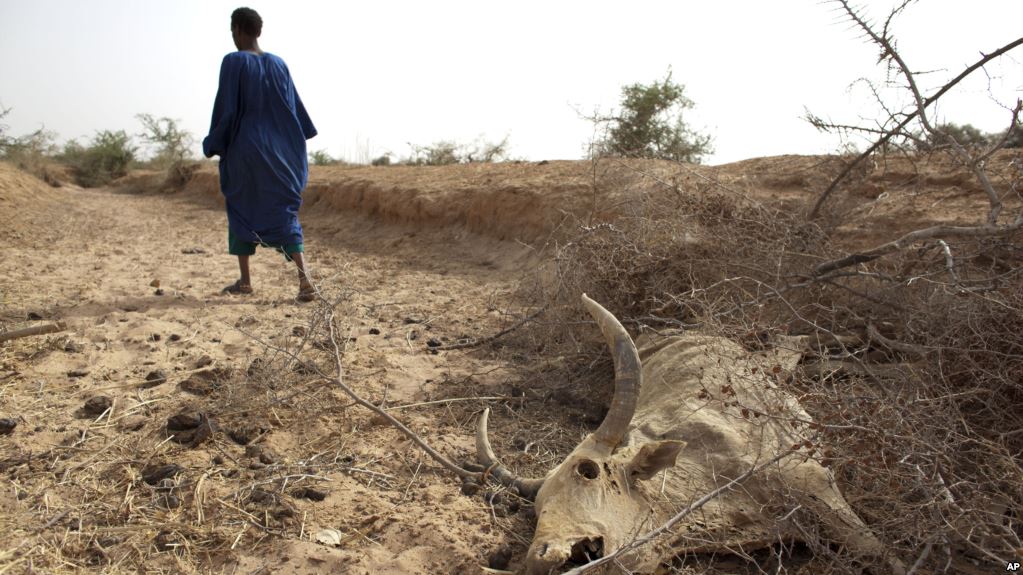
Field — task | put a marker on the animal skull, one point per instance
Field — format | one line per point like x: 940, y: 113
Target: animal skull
x: 664, y: 417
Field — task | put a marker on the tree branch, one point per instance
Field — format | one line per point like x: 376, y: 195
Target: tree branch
x: 34, y: 330
x: 490, y: 338
x: 815, y: 212
x: 338, y: 365
x: 914, y: 236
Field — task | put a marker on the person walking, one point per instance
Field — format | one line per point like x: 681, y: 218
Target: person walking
x: 259, y: 129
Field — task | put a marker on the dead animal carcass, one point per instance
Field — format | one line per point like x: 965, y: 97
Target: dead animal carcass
x: 689, y: 413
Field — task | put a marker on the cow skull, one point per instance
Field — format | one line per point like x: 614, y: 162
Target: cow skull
x: 597, y: 499
x: 597, y: 475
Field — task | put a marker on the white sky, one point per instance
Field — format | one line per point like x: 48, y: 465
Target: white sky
x: 378, y: 75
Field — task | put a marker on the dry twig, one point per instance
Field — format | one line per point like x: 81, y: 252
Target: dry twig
x: 40, y: 329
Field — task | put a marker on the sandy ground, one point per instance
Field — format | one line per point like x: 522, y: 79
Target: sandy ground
x: 93, y: 258
x: 410, y: 258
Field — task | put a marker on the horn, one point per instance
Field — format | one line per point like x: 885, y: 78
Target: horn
x: 527, y: 486
x: 628, y: 376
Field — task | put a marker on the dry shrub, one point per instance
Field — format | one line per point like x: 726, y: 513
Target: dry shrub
x: 674, y: 257
x: 43, y: 167
x: 35, y: 161
x: 924, y: 432
x: 146, y: 181
x: 917, y: 381
x: 180, y: 173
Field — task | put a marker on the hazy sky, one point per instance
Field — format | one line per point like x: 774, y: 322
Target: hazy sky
x: 376, y: 76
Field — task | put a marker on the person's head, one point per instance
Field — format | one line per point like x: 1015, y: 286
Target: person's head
x: 246, y: 26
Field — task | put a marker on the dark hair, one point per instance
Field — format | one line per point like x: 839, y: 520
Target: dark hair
x: 248, y: 21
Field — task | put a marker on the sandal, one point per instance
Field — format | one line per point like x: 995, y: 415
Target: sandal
x: 306, y: 294
x: 238, y: 288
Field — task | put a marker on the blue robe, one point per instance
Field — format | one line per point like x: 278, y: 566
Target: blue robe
x: 259, y: 129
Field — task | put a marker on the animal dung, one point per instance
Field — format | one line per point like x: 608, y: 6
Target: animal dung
x: 190, y: 429
x: 154, y: 378
x: 154, y: 474
x: 7, y: 426
x: 96, y: 405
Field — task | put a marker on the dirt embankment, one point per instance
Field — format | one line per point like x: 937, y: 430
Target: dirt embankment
x: 23, y: 198
x: 514, y: 201
x: 527, y: 202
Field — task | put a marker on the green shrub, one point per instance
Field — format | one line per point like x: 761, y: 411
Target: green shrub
x: 650, y: 125
x: 107, y: 158
x: 447, y: 152
x: 442, y: 153
x: 321, y: 158
x: 966, y: 135
x: 171, y: 144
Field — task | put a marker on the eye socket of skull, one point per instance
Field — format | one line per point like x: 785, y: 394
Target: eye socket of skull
x: 587, y: 469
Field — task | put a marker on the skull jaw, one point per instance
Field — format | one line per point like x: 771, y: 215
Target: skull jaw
x: 551, y: 556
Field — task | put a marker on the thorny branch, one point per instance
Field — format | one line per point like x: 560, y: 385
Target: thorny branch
x: 922, y: 104
x: 975, y: 165
x: 338, y: 381
x: 915, y: 236
x: 490, y: 338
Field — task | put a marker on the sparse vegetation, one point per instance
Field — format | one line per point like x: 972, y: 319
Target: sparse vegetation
x: 908, y: 286
x: 650, y: 124
x: 107, y: 157
x: 321, y: 158
x: 4, y: 129
x: 33, y: 152
x: 913, y: 385
x: 942, y: 136
x: 446, y: 152
x: 169, y: 142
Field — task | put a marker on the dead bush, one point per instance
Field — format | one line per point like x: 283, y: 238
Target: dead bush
x: 180, y: 173
x: 916, y: 384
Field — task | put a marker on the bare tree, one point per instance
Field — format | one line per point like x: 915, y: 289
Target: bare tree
x: 900, y: 124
